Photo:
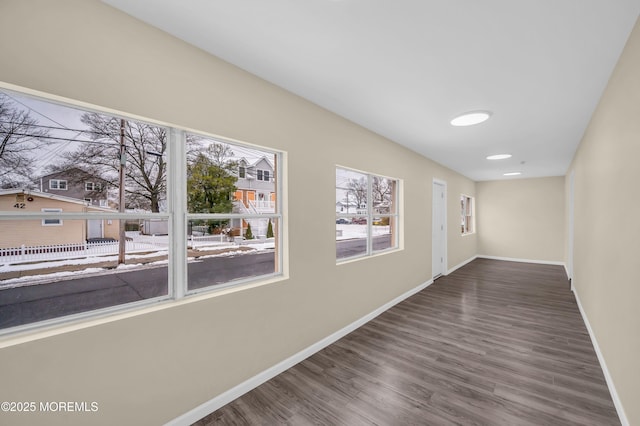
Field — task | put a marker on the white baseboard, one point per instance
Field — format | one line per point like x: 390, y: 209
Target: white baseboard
x: 219, y: 401
x: 460, y: 265
x: 513, y: 259
x: 607, y: 376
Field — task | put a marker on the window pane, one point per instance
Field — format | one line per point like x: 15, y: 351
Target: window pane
x: 351, y: 237
x: 351, y: 192
x: 225, y: 250
x: 227, y: 178
x: 56, y: 149
x: 383, y: 191
x: 50, y: 272
x: 384, y: 233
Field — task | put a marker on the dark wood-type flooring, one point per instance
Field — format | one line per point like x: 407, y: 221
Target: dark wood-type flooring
x: 494, y: 343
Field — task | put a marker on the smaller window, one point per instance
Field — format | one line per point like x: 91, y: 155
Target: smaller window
x: 51, y: 222
x: 466, y: 214
x: 242, y: 172
x: 259, y: 172
x: 266, y: 176
x: 103, y: 203
x: 58, y: 184
x: 92, y: 186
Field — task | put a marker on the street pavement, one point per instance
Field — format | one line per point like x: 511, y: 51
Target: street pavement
x: 27, y: 304
x: 68, y: 296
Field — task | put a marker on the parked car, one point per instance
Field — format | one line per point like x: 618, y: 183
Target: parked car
x: 359, y: 220
x: 341, y: 221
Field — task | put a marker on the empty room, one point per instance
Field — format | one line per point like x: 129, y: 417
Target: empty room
x: 334, y: 212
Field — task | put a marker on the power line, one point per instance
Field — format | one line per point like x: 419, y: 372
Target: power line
x: 62, y: 139
x: 37, y: 112
x: 59, y: 128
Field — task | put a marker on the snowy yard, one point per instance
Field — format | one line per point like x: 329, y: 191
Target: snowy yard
x: 349, y: 231
x: 155, y: 247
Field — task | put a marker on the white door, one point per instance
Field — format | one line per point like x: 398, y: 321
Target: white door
x: 94, y: 228
x: 439, y: 229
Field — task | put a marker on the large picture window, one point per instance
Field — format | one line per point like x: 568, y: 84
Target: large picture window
x: 62, y: 257
x: 366, y: 214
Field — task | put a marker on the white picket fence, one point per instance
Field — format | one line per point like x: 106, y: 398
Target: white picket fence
x: 209, y: 240
x: 25, y: 254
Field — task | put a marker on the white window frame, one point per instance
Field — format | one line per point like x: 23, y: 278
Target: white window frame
x: 277, y: 216
x: 89, y: 186
x: 370, y: 215
x: 58, y: 221
x: 467, y: 214
x: 57, y: 184
x: 176, y: 213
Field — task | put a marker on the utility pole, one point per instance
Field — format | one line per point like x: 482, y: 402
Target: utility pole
x: 122, y: 239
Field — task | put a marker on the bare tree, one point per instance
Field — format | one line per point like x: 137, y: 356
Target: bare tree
x: 358, y: 189
x: 217, y: 153
x: 20, y: 137
x: 145, y: 167
x: 382, y: 190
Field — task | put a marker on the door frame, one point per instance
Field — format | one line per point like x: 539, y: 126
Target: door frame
x: 571, y: 230
x: 444, y: 215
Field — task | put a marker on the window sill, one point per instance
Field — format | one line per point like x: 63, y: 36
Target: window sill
x: 364, y: 257
x: 42, y: 330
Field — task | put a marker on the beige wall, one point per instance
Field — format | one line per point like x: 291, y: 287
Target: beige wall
x: 521, y: 218
x: 32, y: 232
x: 150, y: 368
x: 607, y: 232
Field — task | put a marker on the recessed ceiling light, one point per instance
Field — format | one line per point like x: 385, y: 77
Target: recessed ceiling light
x: 471, y: 118
x: 499, y: 157
x: 513, y: 174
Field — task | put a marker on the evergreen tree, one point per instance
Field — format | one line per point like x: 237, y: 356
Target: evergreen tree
x: 270, y: 230
x: 209, y: 187
x: 248, y: 234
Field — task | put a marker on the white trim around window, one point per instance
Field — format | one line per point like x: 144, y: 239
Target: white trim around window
x: 52, y: 221
x: 58, y: 184
x: 368, y: 219
x: 174, y: 212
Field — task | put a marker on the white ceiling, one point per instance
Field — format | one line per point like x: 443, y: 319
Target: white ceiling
x: 404, y: 68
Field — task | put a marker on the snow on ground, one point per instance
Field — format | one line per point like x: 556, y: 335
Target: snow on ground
x: 34, y: 279
x: 90, y: 260
x: 350, y: 231
x: 42, y: 278
x: 77, y: 261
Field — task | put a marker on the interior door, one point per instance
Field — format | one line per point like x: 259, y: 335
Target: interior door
x: 438, y: 234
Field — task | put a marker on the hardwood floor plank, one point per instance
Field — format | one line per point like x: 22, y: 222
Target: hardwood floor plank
x: 494, y: 343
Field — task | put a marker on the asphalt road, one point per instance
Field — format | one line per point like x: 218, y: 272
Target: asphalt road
x: 24, y: 305
x: 354, y: 247
x: 28, y: 304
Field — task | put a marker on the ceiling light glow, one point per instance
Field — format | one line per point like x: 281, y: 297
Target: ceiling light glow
x: 499, y: 157
x: 471, y: 118
x: 513, y: 174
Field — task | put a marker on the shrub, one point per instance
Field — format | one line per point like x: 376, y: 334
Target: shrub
x: 270, y: 230
x: 248, y: 234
